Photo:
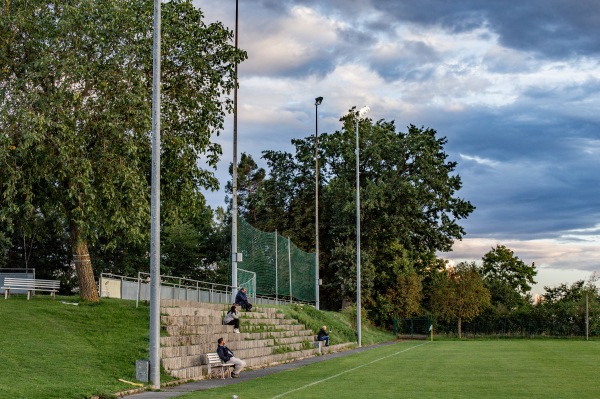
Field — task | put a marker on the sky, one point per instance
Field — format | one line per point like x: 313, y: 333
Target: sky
x: 514, y: 85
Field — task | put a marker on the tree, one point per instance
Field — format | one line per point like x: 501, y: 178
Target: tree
x: 75, y: 115
x: 406, y: 296
x: 249, y: 180
x: 563, y: 307
x: 460, y: 294
x: 409, y: 206
x: 508, y: 278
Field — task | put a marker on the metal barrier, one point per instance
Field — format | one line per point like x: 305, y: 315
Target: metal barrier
x: 138, y: 289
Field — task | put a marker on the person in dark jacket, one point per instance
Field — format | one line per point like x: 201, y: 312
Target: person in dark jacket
x: 242, y: 300
x: 226, y: 356
x: 323, y: 336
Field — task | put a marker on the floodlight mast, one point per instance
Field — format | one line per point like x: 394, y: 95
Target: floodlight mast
x: 318, y: 102
x: 359, y: 114
x: 155, y: 206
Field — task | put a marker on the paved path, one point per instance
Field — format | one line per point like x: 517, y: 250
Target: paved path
x: 201, y: 385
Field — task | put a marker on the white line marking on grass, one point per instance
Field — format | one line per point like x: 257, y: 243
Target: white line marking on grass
x: 346, y: 371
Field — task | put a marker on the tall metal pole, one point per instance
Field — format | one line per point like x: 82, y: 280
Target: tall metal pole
x: 358, y: 299
x: 318, y: 102
x: 362, y: 112
x: 234, y: 206
x: 155, y: 207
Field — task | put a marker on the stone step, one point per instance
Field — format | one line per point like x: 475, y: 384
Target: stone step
x: 197, y: 330
x: 174, y: 330
x: 188, y: 320
x: 198, y: 372
x: 196, y: 350
x: 267, y: 337
x: 181, y: 304
x: 198, y: 311
x: 180, y: 362
x: 183, y: 340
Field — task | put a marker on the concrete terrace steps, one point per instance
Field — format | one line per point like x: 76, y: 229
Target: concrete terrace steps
x: 230, y: 337
x: 222, y: 329
x: 200, y: 349
x: 267, y: 337
x: 259, y: 353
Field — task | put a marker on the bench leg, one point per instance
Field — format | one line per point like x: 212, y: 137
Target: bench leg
x: 28, y: 295
x: 6, y: 293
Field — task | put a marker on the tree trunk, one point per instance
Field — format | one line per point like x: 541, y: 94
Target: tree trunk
x: 459, y: 327
x: 83, y: 266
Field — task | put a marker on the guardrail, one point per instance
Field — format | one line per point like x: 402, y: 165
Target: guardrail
x: 132, y: 288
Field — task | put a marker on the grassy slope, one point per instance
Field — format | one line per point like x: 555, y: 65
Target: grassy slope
x: 340, y: 325
x: 56, y: 350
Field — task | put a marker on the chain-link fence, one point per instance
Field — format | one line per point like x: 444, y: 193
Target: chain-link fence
x: 282, y: 269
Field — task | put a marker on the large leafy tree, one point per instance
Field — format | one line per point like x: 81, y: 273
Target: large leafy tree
x: 460, y: 294
x: 409, y: 207
x: 563, y: 308
x: 508, y: 278
x: 75, y: 115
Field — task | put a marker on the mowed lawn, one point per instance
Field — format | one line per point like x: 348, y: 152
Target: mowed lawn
x: 439, y: 369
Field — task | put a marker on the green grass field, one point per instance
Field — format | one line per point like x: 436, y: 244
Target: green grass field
x: 439, y: 369
x: 56, y: 350
x: 67, y: 349
x: 52, y: 349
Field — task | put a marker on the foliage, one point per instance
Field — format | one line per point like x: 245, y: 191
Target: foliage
x: 508, y: 278
x: 409, y: 207
x: 75, y: 116
x: 460, y: 294
x: 406, y: 295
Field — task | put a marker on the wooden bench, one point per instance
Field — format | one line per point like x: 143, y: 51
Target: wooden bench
x: 215, y: 365
x: 30, y: 285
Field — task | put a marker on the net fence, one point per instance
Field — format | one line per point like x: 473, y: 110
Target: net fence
x: 282, y: 269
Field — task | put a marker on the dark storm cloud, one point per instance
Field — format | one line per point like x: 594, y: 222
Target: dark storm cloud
x: 550, y: 28
x: 413, y: 61
x: 514, y: 85
x: 534, y: 179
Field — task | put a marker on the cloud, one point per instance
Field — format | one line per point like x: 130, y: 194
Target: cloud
x: 550, y: 29
x: 514, y: 86
x: 556, y: 263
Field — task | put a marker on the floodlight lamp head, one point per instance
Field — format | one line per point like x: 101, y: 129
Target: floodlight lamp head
x: 362, y: 112
x: 318, y: 100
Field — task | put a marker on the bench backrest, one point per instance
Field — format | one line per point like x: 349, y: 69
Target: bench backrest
x: 213, y: 358
x: 28, y: 283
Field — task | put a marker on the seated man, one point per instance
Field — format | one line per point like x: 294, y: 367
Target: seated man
x: 226, y: 356
x: 242, y: 300
x: 322, y: 335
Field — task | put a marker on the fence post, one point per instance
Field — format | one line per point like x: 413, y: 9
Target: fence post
x: 587, y: 318
x: 139, y: 282
x: 276, y: 280
x: 290, y: 267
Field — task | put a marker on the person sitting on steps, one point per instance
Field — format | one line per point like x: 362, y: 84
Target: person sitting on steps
x: 242, y: 300
x: 232, y: 319
x: 226, y: 356
x: 322, y: 335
